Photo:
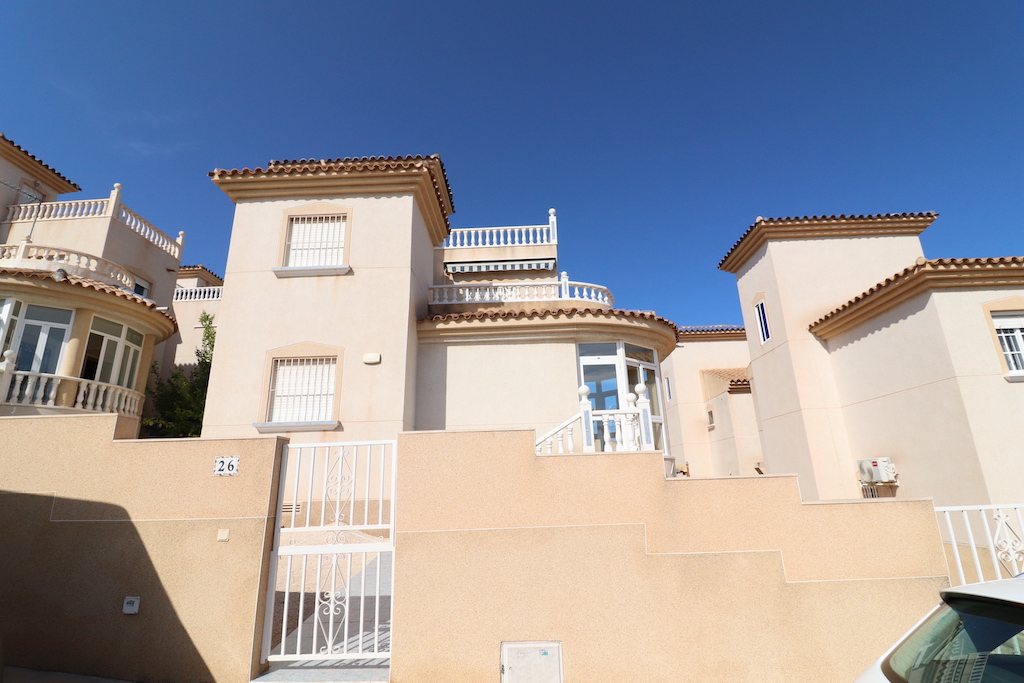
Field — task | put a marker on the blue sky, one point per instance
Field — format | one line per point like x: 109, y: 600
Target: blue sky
x: 659, y: 131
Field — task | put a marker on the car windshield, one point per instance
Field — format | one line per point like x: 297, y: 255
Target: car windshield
x: 975, y: 639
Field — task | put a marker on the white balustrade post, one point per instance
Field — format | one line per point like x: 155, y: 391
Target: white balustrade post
x: 7, y: 373
x: 563, y: 282
x: 586, y: 419
x: 643, y: 404
x: 114, y: 205
x: 552, y: 226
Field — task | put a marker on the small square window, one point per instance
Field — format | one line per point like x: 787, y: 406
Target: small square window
x: 315, y: 241
x: 1010, y: 330
x: 302, y: 390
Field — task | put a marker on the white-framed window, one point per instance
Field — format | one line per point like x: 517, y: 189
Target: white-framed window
x: 315, y: 241
x: 41, y: 337
x: 611, y: 370
x: 142, y: 287
x: 112, y: 353
x: 761, y: 314
x: 1010, y: 330
x: 302, y: 390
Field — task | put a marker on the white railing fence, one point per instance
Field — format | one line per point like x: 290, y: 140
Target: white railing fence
x: 198, y: 293
x: 511, y: 236
x: 546, y: 290
x: 985, y: 542
x: 37, y: 257
x: 90, y: 208
x: 333, y: 557
x: 22, y: 388
x: 602, y: 431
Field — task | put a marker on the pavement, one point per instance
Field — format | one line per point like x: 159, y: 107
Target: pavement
x: 363, y: 671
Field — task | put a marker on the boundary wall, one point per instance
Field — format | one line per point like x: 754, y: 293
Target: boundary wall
x: 86, y: 521
x: 641, y: 577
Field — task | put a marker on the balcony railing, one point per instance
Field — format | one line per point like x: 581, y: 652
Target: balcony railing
x: 38, y: 257
x: 550, y: 290
x: 603, y: 431
x: 512, y: 236
x: 198, y: 293
x: 985, y: 541
x: 92, y: 208
x: 22, y: 388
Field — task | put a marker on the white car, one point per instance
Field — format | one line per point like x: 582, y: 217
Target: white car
x: 975, y: 636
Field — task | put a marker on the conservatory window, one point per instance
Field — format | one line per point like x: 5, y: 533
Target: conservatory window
x: 112, y: 353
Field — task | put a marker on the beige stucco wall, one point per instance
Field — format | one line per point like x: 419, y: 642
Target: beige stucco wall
x: 923, y: 383
x: 88, y: 521
x: 686, y: 410
x: 180, y: 349
x: 526, y: 385
x: 803, y: 428
x: 602, y: 552
x: 369, y: 310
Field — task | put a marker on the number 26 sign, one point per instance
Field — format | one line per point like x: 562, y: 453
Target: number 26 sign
x: 225, y: 466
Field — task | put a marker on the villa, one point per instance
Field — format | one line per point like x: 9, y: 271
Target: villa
x: 428, y: 450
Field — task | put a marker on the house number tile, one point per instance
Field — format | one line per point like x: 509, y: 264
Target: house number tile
x: 225, y: 466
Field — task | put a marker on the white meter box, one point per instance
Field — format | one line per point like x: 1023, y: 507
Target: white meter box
x: 531, y: 662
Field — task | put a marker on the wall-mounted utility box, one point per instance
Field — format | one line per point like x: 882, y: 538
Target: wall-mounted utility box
x: 877, y: 471
x: 531, y: 662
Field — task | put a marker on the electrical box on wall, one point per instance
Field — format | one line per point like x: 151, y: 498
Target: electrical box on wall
x: 877, y: 471
x: 531, y: 662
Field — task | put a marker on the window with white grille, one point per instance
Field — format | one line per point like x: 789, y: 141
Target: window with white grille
x: 302, y: 390
x: 1010, y: 330
x: 315, y: 241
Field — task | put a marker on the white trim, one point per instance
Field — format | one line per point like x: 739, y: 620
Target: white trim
x: 1014, y: 377
x: 272, y: 427
x: 310, y: 271
x: 764, y: 330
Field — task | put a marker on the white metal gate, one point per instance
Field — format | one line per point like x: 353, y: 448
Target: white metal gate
x: 995, y: 532
x: 332, y: 565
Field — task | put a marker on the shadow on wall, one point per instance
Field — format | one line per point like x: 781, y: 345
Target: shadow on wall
x: 63, y: 589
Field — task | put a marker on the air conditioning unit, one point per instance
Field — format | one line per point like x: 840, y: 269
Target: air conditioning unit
x: 877, y: 471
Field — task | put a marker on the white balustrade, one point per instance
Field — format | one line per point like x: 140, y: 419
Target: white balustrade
x: 90, y: 208
x: 990, y: 531
x: 39, y: 257
x: 512, y: 236
x: 198, y: 293
x: 602, y: 431
x: 101, y: 397
x: 547, y: 290
x: 153, y: 234
x: 82, y: 208
x: 38, y: 389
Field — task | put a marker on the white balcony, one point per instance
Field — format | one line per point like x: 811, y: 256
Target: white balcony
x: 110, y: 208
x: 562, y: 289
x: 512, y: 236
x: 38, y: 257
x: 72, y: 394
x: 198, y: 293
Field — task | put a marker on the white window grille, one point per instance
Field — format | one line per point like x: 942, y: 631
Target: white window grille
x: 315, y: 241
x: 1010, y: 330
x: 302, y: 390
x: 762, y: 321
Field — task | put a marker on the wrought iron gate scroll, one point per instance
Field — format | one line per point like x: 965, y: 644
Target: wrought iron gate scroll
x: 332, y: 564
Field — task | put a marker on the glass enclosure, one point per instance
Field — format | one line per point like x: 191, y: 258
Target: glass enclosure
x: 611, y: 370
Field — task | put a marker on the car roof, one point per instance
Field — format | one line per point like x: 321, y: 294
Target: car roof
x: 1010, y: 590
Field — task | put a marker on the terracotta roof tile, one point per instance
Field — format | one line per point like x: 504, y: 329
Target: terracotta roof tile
x: 33, y: 158
x: 348, y: 164
x: 730, y: 374
x: 90, y: 284
x: 200, y: 268
x: 936, y: 268
x: 710, y: 332
x: 536, y: 313
x: 797, y: 221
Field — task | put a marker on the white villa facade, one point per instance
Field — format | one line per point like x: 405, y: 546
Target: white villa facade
x: 430, y: 447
